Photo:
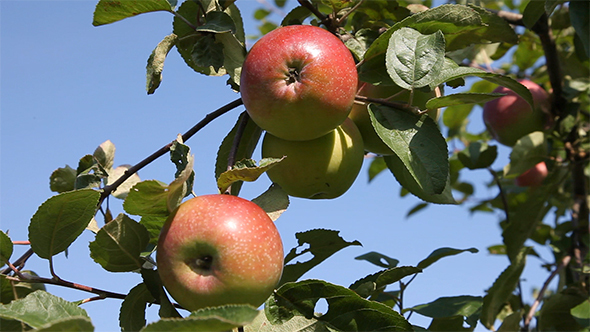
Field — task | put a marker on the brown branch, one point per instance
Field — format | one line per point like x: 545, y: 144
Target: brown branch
x: 107, y: 190
x: 20, y: 262
x: 384, y: 102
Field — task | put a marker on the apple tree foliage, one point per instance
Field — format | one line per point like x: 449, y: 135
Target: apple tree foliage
x: 394, y: 42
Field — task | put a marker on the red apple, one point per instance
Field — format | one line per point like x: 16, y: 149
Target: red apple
x: 325, y: 167
x: 510, y: 117
x: 360, y: 115
x: 298, y: 82
x: 219, y: 249
x: 533, y: 177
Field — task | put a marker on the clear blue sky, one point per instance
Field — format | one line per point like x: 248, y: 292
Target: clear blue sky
x: 67, y: 86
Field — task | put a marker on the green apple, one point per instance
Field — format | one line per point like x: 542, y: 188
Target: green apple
x: 533, y: 177
x: 360, y: 115
x: 298, y: 82
x: 510, y: 117
x: 219, y: 249
x: 322, y: 168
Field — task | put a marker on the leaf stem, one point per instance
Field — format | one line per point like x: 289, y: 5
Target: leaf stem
x: 502, y: 194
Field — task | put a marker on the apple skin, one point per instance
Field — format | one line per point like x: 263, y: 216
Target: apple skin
x: 510, y: 117
x: 298, y: 82
x: 533, y: 177
x: 219, y: 249
x: 360, y: 114
x: 323, y: 168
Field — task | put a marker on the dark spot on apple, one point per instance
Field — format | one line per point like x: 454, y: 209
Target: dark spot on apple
x: 202, y: 263
x: 294, y: 75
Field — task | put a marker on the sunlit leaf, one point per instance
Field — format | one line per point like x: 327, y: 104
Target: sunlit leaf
x: 441, y: 253
x: 245, y: 170
x: 109, y: 11
x: 274, y: 201
x: 155, y: 63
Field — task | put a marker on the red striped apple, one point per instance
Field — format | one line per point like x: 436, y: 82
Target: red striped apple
x: 325, y: 167
x: 219, y: 249
x: 298, y: 82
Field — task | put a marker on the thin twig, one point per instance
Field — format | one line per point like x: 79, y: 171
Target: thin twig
x: 20, y: 262
x: 384, y: 102
x: 242, y: 123
x: 502, y: 194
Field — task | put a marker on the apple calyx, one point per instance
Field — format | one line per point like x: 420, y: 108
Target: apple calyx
x: 201, y: 264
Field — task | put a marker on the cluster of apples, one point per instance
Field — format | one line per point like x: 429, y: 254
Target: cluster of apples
x: 510, y: 117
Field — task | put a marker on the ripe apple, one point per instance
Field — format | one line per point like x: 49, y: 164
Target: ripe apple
x: 298, y: 82
x: 322, y: 168
x: 533, y: 177
x: 219, y: 249
x: 360, y: 114
x: 510, y: 117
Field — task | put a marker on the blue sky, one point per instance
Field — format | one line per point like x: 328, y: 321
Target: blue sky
x: 66, y: 86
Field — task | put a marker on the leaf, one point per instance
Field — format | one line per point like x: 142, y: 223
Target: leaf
x: 478, y: 155
x: 460, y: 99
x: 441, y: 253
x: 207, y: 53
x: 579, y: 14
x: 413, y: 59
x: 245, y: 170
x: 417, y: 142
x: 182, y: 185
x: 123, y: 189
x: 217, y: 22
x: 155, y: 63
x: 322, y: 244
x: 118, y: 245
x: 62, y: 179
x: 40, y: 308
x: 153, y: 224
x: 526, y: 153
x: 380, y: 280
x: 152, y: 281
x: 249, y: 140
x: 273, y: 201
x: 555, y: 314
x: 511, y: 322
x: 454, y: 117
x: 89, y: 173
x: 147, y: 198
x: 60, y: 220
x: 105, y: 154
x: 502, y: 289
x: 451, y: 324
x: 347, y: 311
x: 296, y: 16
x: 109, y: 11
x: 378, y: 259
x: 377, y: 166
x: 466, y: 306
x: 11, y: 290
x: 297, y: 323
x: 222, y: 318
x: 132, y: 313
x: 405, y: 178
x: 532, y: 13
x: 581, y: 313
x: 68, y: 325
x: 6, y: 248
x: 234, y: 54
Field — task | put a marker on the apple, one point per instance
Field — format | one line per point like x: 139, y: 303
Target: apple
x: 533, y: 177
x: 323, y: 168
x: 219, y: 249
x: 360, y: 114
x: 510, y: 117
x: 298, y: 82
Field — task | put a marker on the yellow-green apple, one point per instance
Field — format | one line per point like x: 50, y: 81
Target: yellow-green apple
x: 360, y: 115
x: 510, y: 117
x: 298, y: 82
x: 533, y: 177
x: 325, y: 167
x: 219, y: 249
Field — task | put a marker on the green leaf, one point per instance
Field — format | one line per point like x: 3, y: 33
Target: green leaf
x: 526, y: 153
x: 296, y: 16
x: 234, y: 54
x: 451, y: 324
x: 466, y: 306
x: 206, y: 52
x: 322, y: 243
x: 153, y: 224
x: 378, y: 259
x: 273, y: 201
x: 148, y: 198
x: 105, y: 154
x: 502, y: 289
x: 60, y: 220
x: 579, y: 16
x: 182, y: 185
x: 222, y: 318
x: 297, y: 323
x: 109, y: 11
x: 454, y: 117
x: 152, y: 281
x: 68, y: 325
x: 347, y: 311
x: 62, y: 179
x: 408, y: 182
x: 217, y: 22
x: 478, y: 155
x: 6, y: 248
x: 511, y: 322
x: 532, y: 13
x: 460, y: 99
x: 417, y: 142
x: 132, y: 313
x: 90, y: 173
x: 40, y: 308
x: 441, y: 253
x: 155, y: 63
x: 8, y: 288
x: 245, y: 170
x: 377, y: 166
x: 118, y: 245
x: 377, y: 282
x: 581, y: 313
x: 249, y: 140
x: 413, y: 60
x: 556, y: 313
